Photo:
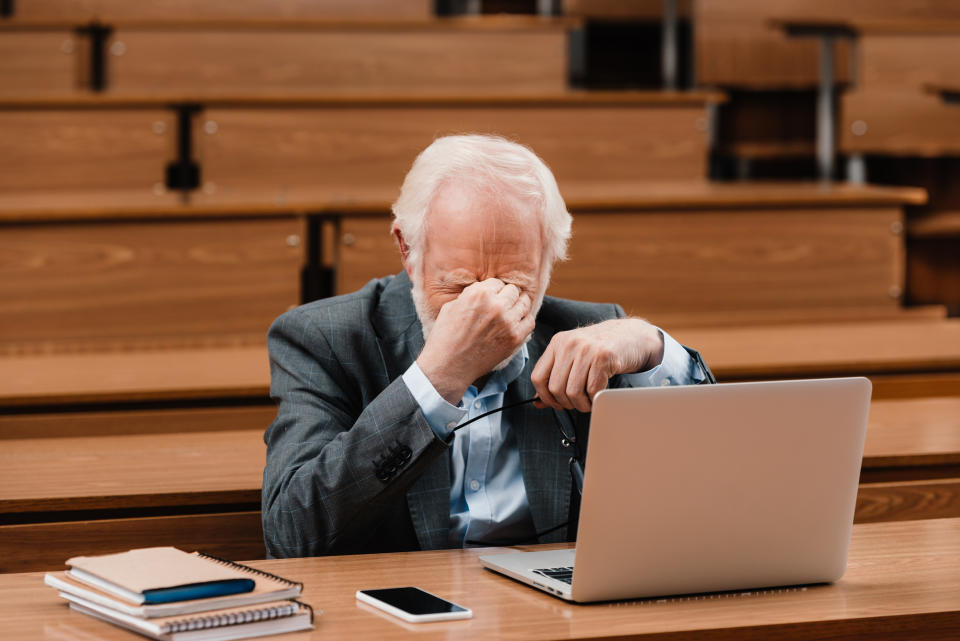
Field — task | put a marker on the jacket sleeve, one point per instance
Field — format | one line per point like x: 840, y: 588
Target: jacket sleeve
x: 337, y: 463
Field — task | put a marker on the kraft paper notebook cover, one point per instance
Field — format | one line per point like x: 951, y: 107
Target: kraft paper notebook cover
x: 267, y: 587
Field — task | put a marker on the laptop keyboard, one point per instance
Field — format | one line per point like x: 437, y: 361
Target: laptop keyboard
x: 560, y: 574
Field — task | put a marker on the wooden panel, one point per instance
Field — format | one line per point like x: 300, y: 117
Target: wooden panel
x: 821, y: 349
x: 894, y: 386
x: 924, y: 431
x: 147, y: 421
x: 45, y: 546
x: 148, y: 279
x: 702, y: 262
x: 622, y: 9
x: 907, y: 62
x: 695, y: 263
x: 630, y: 195
x: 351, y: 150
x: 345, y: 60
x: 903, y: 348
x: 734, y: 45
x: 131, y: 471
x: 85, y: 149
x: 136, y: 375
x: 908, y: 501
x: 898, y: 123
x: 39, y: 62
x: 186, y: 9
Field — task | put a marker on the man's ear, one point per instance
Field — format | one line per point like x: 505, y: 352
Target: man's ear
x: 404, y: 250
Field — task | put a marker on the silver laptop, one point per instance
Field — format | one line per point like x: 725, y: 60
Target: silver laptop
x: 708, y: 488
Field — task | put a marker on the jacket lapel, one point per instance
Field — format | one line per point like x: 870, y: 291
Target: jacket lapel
x: 401, y: 339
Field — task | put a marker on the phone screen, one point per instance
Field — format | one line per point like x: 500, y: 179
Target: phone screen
x: 414, y: 600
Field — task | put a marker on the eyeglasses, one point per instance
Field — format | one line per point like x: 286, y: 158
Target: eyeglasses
x: 575, y: 465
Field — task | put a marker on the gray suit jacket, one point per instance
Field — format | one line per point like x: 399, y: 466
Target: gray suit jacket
x: 352, y: 465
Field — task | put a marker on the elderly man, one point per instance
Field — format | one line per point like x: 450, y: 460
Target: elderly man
x: 370, y: 386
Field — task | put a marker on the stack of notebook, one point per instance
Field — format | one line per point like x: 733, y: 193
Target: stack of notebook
x: 172, y: 595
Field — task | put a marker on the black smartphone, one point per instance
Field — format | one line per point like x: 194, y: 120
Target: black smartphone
x: 413, y: 604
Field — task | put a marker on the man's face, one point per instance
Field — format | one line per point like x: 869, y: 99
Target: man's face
x: 471, y: 236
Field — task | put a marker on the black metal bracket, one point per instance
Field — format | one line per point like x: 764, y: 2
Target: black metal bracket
x: 184, y: 173
x: 6, y: 8
x: 99, y: 35
x: 317, y: 280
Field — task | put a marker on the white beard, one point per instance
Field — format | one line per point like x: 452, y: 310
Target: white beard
x: 428, y: 317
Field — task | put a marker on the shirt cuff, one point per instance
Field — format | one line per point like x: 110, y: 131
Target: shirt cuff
x: 674, y: 369
x: 441, y: 416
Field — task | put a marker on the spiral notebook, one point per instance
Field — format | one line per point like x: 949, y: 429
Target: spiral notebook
x: 274, y: 617
x: 99, y: 578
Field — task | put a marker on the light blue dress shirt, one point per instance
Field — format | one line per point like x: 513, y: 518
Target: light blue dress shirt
x: 488, y: 500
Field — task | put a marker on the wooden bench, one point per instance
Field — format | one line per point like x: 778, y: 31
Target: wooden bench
x: 67, y: 495
x: 276, y: 144
x: 105, y: 10
x: 38, y: 61
x: 104, y: 282
x: 141, y: 270
x: 476, y: 55
x: 704, y: 254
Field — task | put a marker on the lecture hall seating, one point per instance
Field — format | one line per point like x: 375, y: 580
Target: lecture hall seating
x: 109, y: 491
x: 199, y: 57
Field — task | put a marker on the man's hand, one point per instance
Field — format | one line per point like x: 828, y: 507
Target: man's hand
x: 474, y: 332
x: 577, y: 364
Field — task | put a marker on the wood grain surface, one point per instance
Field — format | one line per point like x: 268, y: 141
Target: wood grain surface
x: 148, y: 280
x: 32, y: 547
x: 622, y: 9
x: 735, y: 45
x: 85, y: 149
x: 908, y: 500
x: 131, y: 471
x: 908, y: 62
x: 346, y: 60
x: 722, y: 262
x: 901, y: 582
x: 187, y: 9
x: 277, y: 150
x: 118, y: 422
x: 923, y: 431
x: 594, y: 195
x: 39, y: 62
x: 910, y: 346
x: 898, y: 123
x: 828, y: 348
x: 144, y: 375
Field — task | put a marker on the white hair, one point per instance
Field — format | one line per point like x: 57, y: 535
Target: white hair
x: 506, y: 168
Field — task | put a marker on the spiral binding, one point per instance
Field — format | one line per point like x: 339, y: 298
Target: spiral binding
x: 248, y: 569
x: 235, y: 618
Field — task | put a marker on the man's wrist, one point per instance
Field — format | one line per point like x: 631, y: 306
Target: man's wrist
x: 446, y: 384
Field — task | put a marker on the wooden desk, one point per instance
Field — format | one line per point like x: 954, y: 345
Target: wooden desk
x: 902, y: 582
x: 885, y: 348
